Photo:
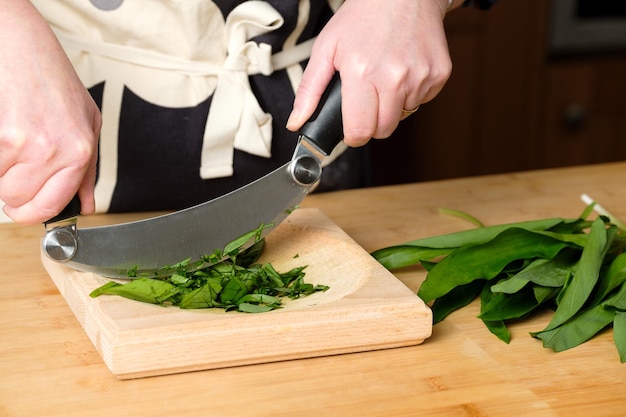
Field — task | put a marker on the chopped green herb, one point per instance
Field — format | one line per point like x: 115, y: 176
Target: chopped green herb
x: 233, y: 283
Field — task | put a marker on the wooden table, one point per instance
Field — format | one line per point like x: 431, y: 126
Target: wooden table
x: 48, y: 366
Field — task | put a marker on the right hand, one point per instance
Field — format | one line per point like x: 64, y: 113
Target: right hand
x: 49, y: 124
x: 403, y: 63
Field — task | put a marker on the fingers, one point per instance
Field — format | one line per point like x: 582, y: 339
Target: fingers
x: 34, y: 198
x: 49, y: 123
x: 386, y: 74
x: 369, y: 111
x: 46, y: 173
x: 315, y: 79
x: 86, y: 190
x: 47, y: 203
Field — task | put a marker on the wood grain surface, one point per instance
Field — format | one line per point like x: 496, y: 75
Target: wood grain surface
x: 365, y: 308
x: 48, y: 365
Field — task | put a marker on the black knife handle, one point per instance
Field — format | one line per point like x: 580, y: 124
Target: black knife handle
x: 71, y: 210
x: 325, y: 127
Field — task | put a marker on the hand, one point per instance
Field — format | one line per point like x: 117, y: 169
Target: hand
x: 391, y: 55
x: 49, y: 123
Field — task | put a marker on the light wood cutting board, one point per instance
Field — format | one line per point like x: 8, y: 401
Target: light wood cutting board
x: 366, y: 308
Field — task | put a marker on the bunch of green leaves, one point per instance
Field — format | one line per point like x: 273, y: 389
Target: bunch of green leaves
x: 229, y: 279
x: 575, y: 267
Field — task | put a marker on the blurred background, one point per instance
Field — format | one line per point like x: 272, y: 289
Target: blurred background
x: 535, y: 84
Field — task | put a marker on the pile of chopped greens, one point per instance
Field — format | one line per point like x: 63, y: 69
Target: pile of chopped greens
x: 228, y: 279
x: 575, y: 267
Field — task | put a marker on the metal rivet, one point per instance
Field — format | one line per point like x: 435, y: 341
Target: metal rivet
x: 59, y: 244
x: 306, y: 170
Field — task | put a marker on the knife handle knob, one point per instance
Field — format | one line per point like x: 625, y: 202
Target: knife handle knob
x: 60, y: 244
x: 325, y: 127
x: 71, y: 210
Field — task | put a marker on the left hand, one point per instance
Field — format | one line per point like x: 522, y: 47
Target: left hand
x: 391, y: 55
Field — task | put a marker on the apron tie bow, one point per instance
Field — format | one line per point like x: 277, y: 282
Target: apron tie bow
x: 236, y: 120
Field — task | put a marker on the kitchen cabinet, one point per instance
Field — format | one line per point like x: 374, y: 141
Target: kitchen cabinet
x: 585, y: 116
x: 510, y: 105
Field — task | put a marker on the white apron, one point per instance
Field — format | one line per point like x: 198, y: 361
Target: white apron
x: 180, y: 54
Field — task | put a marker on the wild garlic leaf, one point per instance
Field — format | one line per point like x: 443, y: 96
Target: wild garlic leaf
x: 619, y: 334
x: 544, y: 272
x: 203, y: 297
x: 496, y: 325
x: 147, y: 290
x: 585, y: 276
x: 577, y: 330
x: 456, y: 298
x: 486, y: 260
x: 577, y: 266
x: 481, y: 234
x: 405, y: 255
x: 614, y: 276
x: 231, y: 284
x: 502, y: 306
x: 234, y: 247
x: 499, y: 329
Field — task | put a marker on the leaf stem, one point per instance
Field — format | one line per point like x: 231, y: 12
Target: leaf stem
x: 463, y: 215
x: 601, y: 210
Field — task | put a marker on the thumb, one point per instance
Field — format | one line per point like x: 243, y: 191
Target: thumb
x: 315, y: 79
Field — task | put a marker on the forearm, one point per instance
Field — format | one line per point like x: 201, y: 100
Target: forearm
x: 48, y: 122
x: 19, y: 19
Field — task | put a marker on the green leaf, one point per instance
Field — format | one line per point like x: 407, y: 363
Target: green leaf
x: 251, y: 254
x: 577, y: 264
x: 614, y: 276
x: 216, y: 282
x: 103, y: 289
x: 496, y: 326
x: 147, y: 290
x: 584, y: 325
x: 499, y: 329
x: 462, y: 215
x: 486, y: 261
x: 586, y: 275
x: 425, y: 249
x: 577, y: 239
x: 619, y: 334
x: 543, y: 294
x: 455, y: 299
x: 405, y: 255
x: 203, y: 297
x: 178, y: 279
x: 261, y: 299
x: 236, y: 287
x: 233, y: 247
x: 508, y: 306
x: 277, y: 279
x: 577, y: 330
x: 481, y: 235
x: 254, y: 308
x: 545, y: 272
x: 617, y: 299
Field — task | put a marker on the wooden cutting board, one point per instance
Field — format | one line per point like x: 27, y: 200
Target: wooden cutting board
x: 366, y: 308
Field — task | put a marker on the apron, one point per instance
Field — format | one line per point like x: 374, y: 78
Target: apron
x: 194, y: 94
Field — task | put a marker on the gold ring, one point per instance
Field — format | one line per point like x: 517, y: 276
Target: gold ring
x: 406, y: 113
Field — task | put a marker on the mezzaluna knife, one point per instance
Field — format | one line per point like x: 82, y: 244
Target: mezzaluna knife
x: 146, y: 246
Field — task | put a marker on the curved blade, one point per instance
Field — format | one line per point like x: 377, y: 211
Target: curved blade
x: 148, y: 245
